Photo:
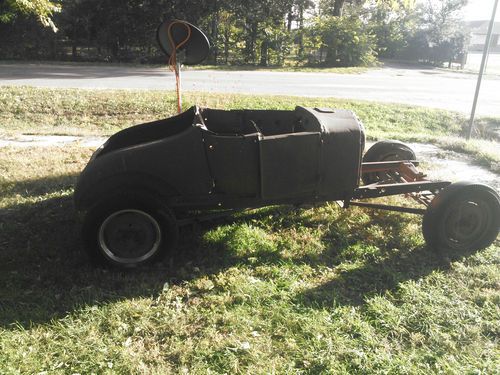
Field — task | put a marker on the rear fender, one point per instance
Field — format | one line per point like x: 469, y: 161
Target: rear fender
x: 88, y: 197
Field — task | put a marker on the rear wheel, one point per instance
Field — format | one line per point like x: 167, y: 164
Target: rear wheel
x: 463, y: 217
x: 385, y: 151
x: 129, y: 230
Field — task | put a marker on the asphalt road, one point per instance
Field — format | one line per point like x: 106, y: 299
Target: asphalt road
x: 425, y: 87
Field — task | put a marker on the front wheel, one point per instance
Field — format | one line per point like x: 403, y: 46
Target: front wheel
x: 128, y: 230
x: 463, y: 217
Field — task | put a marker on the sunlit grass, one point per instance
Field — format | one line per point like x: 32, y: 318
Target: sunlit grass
x: 273, y: 290
x: 72, y: 111
x: 289, y: 68
x: 25, y: 110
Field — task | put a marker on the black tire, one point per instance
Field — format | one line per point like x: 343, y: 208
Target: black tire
x: 462, y: 217
x: 128, y: 230
x: 385, y: 151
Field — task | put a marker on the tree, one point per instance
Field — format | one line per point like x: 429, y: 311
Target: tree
x: 440, y: 35
x: 441, y: 19
x: 336, y: 7
x: 346, y: 40
x: 42, y: 9
x: 392, y: 23
x: 264, y: 27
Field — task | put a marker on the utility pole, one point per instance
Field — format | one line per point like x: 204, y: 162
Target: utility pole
x: 481, y: 69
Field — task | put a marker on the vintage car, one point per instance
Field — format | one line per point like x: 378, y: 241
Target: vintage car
x: 149, y: 179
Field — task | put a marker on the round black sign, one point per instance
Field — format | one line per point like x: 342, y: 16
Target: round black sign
x: 186, y: 37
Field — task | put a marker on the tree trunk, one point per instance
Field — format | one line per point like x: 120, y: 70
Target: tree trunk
x: 115, y: 46
x: 226, y: 44
x: 338, y: 6
x: 254, y: 40
x: 74, y: 52
x: 264, y: 52
x: 289, y: 21
x: 250, y: 41
x: 53, y: 45
x: 331, y: 57
x: 300, y: 52
x: 215, y: 32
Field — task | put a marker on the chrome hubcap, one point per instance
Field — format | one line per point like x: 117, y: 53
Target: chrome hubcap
x: 129, y: 236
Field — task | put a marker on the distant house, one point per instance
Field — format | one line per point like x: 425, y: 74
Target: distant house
x: 479, y: 29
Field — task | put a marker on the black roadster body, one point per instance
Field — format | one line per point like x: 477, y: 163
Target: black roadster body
x: 207, y: 158
x: 147, y: 180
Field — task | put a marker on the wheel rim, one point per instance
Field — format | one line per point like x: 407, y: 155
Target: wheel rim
x: 129, y: 236
x: 466, y: 223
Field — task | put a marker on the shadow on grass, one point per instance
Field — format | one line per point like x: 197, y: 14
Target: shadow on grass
x: 352, y: 286
x: 34, y: 187
x: 364, y: 266
x: 45, y: 274
x: 375, y: 273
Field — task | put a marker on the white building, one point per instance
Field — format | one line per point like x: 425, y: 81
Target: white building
x: 479, y: 29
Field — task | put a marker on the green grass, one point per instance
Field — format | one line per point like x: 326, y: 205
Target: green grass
x: 84, y: 112
x: 72, y: 111
x: 289, y: 68
x: 286, y: 68
x: 274, y: 290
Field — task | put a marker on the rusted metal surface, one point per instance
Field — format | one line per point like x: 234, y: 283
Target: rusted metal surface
x: 383, y: 190
x: 404, y: 171
x: 410, y: 210
x: 404, y: 178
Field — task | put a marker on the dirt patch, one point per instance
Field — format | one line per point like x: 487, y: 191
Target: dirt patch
x: 452, y: 166
x: 50, y: 141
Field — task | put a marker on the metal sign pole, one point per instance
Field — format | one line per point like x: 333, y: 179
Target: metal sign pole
x: 481, y: 69
x: 178, y: 83
x: 179, y: 60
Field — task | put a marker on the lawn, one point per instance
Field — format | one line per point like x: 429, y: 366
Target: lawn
x: 85, y: 112
x: 275, y: 290
x: 288, y: 68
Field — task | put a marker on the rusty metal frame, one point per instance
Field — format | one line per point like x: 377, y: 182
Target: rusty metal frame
x: 406, y: 169
x: 410, y: 210
x: 383, y: 190
x: 402, y: 177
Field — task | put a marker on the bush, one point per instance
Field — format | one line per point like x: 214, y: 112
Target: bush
x: 343, y: 41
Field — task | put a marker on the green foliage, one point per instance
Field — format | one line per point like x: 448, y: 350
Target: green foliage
x: 42, y: 9
x: 345, y: 41
x: 264, y: 33
x: 338, y: 8
x: 391, y: 27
